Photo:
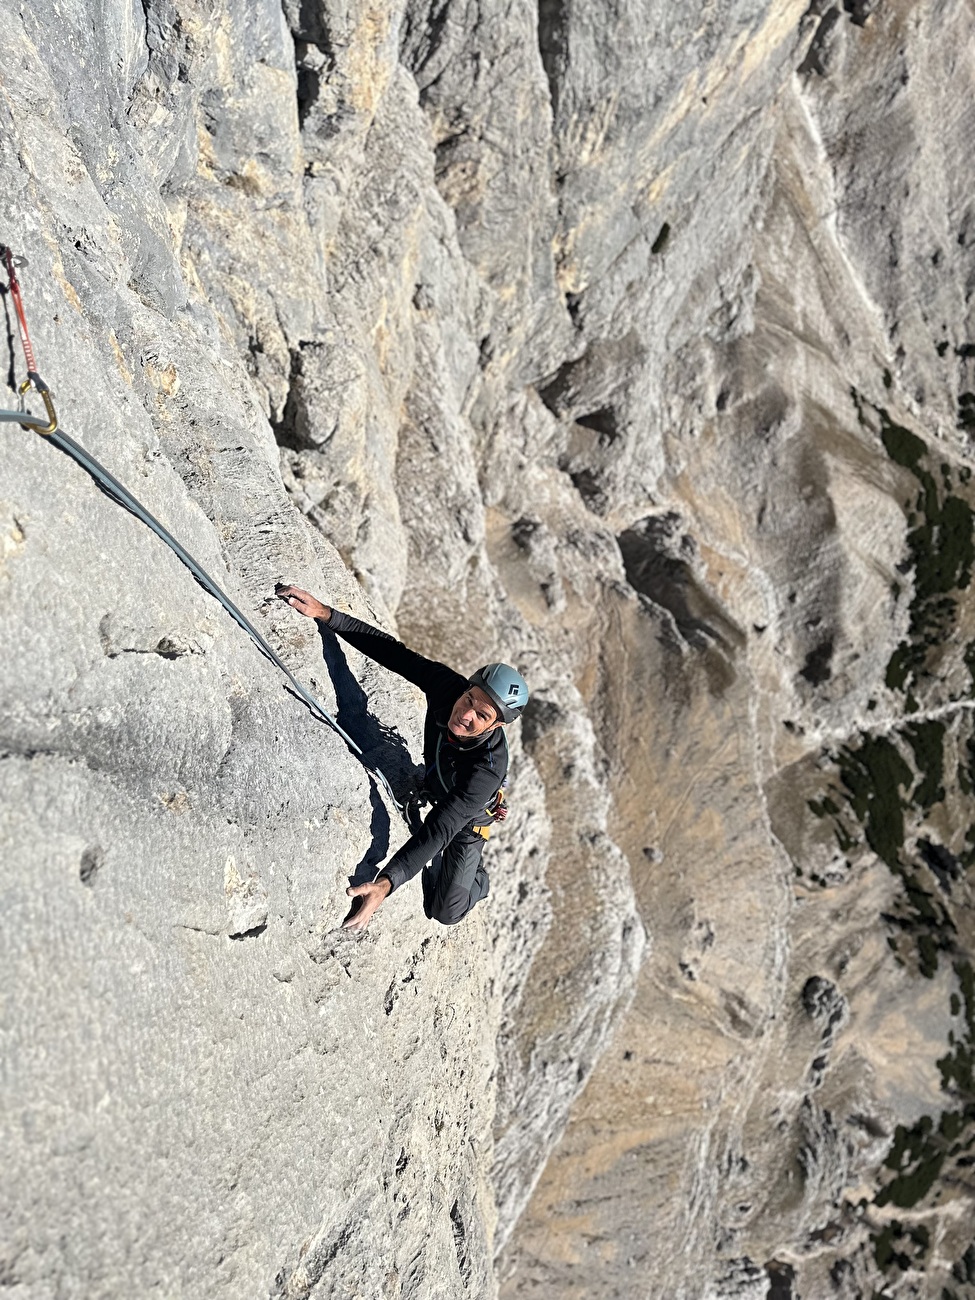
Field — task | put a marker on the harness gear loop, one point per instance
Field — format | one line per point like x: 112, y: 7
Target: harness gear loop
x: 497, y: 811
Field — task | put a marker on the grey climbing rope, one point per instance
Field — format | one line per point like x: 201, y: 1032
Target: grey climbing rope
x: 119, y: 493
x: 124, y: 497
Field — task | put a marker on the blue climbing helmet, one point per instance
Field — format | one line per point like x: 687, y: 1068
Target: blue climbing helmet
x: 505, y: 688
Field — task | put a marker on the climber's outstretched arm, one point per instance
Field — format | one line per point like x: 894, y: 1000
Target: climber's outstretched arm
x: 431, y: 677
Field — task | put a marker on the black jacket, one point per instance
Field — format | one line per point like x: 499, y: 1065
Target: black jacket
x: 461, y: 777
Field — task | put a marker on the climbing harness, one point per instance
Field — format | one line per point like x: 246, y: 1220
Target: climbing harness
x: 119, y: 493
x: 497, y: 810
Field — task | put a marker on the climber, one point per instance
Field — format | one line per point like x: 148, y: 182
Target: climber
x: 465, y: 756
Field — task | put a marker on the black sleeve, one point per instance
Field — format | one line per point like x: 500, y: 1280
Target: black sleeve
x: 464, y: 803
x: 430, y: 676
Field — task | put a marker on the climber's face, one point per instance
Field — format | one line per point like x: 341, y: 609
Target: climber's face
x: 472, y: 715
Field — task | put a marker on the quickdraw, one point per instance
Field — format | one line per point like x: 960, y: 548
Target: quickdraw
x: 33, y: 379
x: 119, y: 493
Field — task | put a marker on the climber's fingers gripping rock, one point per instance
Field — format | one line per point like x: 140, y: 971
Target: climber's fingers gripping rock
x: 368, y: 897
x: 304, y: 602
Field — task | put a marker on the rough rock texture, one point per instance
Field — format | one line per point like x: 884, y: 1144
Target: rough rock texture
x: 628, y: 343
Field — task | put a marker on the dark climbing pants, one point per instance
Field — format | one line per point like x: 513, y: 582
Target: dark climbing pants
x: 455, y: 880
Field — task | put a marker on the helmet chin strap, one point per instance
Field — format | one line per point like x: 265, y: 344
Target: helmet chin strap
x: 472, y: 740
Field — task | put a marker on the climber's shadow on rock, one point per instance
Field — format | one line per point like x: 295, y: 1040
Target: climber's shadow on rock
x: 381, y: 747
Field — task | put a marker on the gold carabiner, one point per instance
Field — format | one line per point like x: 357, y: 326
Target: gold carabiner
x: 48, y: 404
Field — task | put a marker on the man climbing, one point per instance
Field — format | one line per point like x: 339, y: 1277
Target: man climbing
x: 465, y: 756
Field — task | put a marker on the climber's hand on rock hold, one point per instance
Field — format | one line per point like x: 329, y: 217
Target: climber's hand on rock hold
x: 368, y: 897
x: 304, y: 602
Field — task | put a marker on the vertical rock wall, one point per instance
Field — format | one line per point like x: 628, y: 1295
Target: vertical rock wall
x: 632, y: 346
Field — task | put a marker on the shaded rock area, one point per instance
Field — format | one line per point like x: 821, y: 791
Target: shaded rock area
x: 634, y: 346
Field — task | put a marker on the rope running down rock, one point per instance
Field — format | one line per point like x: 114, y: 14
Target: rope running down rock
x: 120, y: 494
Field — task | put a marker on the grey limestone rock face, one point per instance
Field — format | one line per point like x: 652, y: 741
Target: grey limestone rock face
x: 630, y: 344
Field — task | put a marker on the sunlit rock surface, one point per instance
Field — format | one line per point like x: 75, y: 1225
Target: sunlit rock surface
x: 632, y: 345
